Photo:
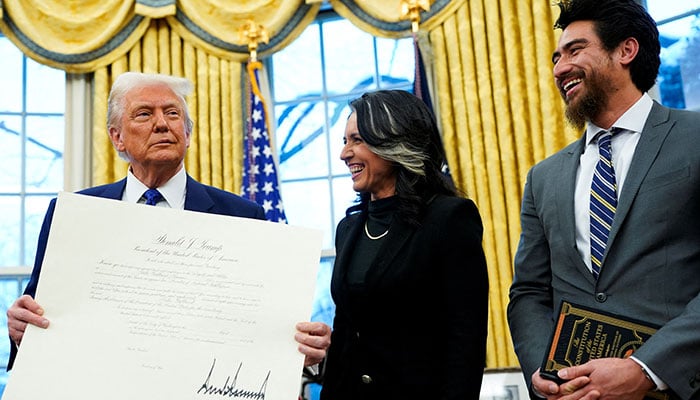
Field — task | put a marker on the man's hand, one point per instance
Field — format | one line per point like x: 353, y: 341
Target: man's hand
x: 550, y: 390
x: 314, y: 339
x: 610, y: 379
x: 22, y: 312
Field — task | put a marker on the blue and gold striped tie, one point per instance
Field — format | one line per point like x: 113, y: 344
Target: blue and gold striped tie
x: 603, y: 201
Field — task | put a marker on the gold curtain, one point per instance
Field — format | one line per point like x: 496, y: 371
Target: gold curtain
x: 215, y: 154
x: 221, y: 20
x: 76, y: 36
x: 500, y: 113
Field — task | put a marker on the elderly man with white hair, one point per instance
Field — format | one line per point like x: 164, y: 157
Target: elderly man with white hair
x: 149, y: 125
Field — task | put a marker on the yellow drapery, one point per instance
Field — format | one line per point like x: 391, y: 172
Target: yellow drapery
x: 76, y: 36
x: 497, y: 106
x: 282, y: 18
x: 383, y: 18
x: 215, y: 153
x: 500, y: 113
x: 83, y: 35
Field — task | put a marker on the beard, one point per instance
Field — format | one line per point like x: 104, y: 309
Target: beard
x: 590, y: 103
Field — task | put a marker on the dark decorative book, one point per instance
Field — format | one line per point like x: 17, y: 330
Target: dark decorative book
x: 582, y: 334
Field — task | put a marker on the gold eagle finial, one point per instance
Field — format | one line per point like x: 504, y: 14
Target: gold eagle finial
x: 411, y: 9
x: 253, y: 34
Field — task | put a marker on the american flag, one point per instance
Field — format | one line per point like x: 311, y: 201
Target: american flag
x: 260, y: 183
x: 420, y: 78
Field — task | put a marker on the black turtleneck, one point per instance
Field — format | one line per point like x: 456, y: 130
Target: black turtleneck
x: 379, y: 215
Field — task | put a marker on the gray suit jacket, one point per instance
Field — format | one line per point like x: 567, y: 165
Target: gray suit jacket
x: 651, y: 270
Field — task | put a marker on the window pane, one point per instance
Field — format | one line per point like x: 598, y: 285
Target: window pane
x: 35, y: 210
x: 392, y: 57
x: 690, y: 68
x: 46, y: 91
x: 10, y: 153
x: 10, y: 218
x: 32, y: 105
x: 9, y: 290
x: 679, y: 30
x: 44, y: 153
x: 337, y: 133
x: 10, y: 77
x: 307, y: 203
x: 323, y: 309
x: 297, y: 68
x: 301, y: 140
x: 663, y: 9
x: 343, y: 197
x: 349, y: 58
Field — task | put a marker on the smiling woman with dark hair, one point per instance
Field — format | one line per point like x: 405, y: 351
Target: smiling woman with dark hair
x: 409, y: 264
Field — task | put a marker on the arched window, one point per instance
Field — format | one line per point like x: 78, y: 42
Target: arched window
x: 32, y: 107
x: 679, y: 30
x: 312, y: 82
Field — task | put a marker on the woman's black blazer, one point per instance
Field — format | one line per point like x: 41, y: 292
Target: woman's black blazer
x: 417, y: 329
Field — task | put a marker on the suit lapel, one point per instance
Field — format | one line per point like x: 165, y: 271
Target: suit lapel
x: 654, y: 133
x: 114, y: 191
x: 196, y: 198
x: 565, y: 187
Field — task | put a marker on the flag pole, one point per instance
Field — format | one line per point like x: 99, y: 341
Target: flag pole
x: 260, y: 179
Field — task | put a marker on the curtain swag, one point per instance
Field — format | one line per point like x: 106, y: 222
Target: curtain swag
x: 81, y: 36
x: 384, y: 19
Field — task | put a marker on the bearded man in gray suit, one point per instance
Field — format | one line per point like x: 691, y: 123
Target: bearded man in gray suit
x: 648, y: 267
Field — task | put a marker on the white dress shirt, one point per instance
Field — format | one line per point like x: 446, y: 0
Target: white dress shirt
x: 623, y: 145
x: 173, y: 191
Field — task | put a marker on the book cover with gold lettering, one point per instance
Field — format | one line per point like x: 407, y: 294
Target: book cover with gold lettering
x: 582, y: 334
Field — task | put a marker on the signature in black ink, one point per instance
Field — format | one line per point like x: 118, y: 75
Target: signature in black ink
x: 230, y: 389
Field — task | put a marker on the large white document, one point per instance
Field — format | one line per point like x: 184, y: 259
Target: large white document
x: 153, y: 303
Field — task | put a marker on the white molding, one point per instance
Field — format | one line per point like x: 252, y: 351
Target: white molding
x: 19, y: 271
x: 327, y: 253
x: 77, y: 156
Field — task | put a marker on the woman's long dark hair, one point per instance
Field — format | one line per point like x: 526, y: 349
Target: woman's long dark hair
x: 398, y: 127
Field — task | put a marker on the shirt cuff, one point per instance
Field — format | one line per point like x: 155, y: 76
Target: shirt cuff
x: 660, y: 385
x: 313, y: 368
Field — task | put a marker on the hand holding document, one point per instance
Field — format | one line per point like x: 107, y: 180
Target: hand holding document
x: 155, y: 303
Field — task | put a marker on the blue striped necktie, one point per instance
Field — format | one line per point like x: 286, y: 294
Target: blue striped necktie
x: 152, y: 197
x: 603, y: 200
